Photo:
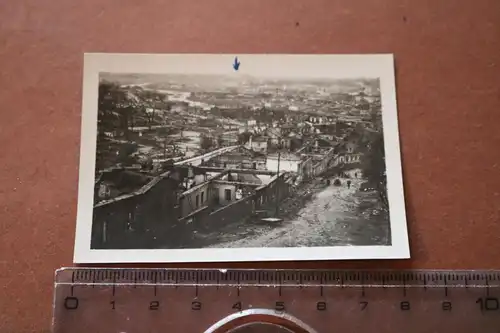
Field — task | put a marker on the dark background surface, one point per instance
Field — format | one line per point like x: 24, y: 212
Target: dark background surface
x: 448, y: 72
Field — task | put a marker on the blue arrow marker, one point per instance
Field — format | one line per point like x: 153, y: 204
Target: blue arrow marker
x: 236, y: 64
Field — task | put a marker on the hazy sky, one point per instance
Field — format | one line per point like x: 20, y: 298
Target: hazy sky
x: 261, y: 66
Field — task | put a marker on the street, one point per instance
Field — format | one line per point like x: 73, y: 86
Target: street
x: 331, y: 218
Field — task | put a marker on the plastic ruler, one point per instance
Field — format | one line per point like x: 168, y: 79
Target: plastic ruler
x: 208, y: 300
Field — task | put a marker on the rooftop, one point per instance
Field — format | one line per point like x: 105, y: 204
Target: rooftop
x: 260, y: 138
x: 124, y: 181
x: 249, y: 178
x: 284, y: 156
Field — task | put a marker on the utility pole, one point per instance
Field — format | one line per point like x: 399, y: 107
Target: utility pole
x: 164, y: 148
x: 278, y: 185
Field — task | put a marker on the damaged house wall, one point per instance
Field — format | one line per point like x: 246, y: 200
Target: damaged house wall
x: 141, y: 219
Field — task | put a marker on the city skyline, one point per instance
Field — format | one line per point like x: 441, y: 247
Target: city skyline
x: 196, y: 79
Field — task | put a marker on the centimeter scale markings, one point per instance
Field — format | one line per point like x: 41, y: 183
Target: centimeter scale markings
x: 210, y: 300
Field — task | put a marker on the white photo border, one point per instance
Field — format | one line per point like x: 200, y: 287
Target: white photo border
x: 343, y: 66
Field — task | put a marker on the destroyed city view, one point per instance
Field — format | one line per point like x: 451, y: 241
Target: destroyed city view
x: 235, y: 161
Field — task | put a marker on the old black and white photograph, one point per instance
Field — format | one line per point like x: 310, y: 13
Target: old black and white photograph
x: 197, y: 158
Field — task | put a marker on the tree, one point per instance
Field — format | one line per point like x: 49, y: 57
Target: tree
x: 113, y: 107
x: 244, y: 137
x: 295, y: 144
x: 206, y: 142
x: 114, y: 112
x: 376, y: 117
x: 220, y: 141
x: 147, y: 164
x: 125, y: 154
x: 374, y: 169
x: 168, y: 165
x: 154, y: 101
